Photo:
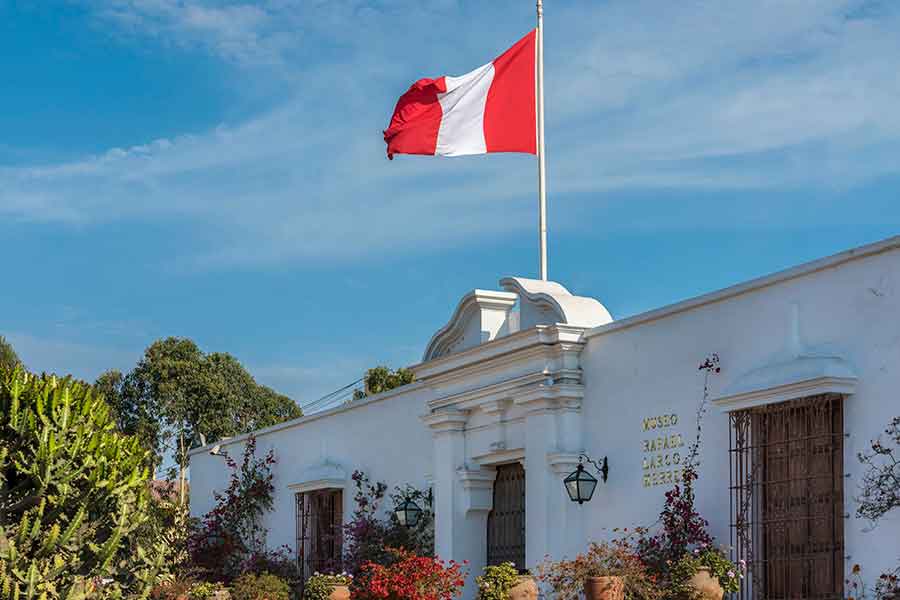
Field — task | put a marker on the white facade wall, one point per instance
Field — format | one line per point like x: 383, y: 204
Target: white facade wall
x: 543, y: 395
x: 851, y: 311
x: 384, y: 438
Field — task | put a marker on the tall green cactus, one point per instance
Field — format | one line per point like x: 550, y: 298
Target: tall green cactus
x: 71, y: 490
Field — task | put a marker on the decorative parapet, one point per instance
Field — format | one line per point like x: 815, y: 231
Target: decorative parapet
x: 481, y: 316
x: 548, y: 303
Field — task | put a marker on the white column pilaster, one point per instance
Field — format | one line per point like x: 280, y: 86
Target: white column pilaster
x: 448, y: 429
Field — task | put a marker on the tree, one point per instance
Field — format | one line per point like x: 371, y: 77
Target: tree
x: 8, y: 356
x: 177, y: 398
x: 72, y: 490
x: 381, y: 379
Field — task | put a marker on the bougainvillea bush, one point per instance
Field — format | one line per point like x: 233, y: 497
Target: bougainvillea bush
x: 371, y: 532
x: 230, y: 540
x: 409, y: 577
x: 681, y: 530
x: 682, y: 544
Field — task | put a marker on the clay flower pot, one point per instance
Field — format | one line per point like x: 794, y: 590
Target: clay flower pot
x: 340, y: 592
x: 604, y: 588
x: 706, y: 586
x: 525, y: 589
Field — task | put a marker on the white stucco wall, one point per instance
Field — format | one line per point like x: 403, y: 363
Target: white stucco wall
x: 542, y: 395
x: 382, y: 437
x: 630, y: 373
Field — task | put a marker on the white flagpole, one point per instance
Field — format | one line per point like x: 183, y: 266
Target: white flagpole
x: 542, y: 174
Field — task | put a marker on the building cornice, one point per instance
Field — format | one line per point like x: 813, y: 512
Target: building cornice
x: 753, y: 285
x: 489, y: 356
x: 447, y: 420
x: 488, y: 397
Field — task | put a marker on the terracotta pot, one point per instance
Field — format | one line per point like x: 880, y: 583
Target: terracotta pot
x: 604, y: 588
x: 525, y: 589
x: 706, y: 586
x: 340, y: 592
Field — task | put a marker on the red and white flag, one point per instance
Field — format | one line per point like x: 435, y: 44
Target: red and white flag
x: 491, y: 109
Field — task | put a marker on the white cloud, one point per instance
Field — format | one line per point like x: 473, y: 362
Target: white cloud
x: 689, y: 95
x: 63, y: 357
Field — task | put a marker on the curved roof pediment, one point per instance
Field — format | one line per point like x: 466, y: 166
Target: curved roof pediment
x: 555, y: 303
x: 484, y: 315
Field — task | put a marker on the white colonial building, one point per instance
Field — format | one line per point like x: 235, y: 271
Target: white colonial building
x: 521, y: 382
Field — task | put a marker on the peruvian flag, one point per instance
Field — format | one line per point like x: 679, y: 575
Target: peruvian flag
x: 491, y: 109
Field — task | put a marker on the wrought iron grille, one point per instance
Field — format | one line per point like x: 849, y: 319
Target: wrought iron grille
x: 787, y: 498
x: 506, y: 521
x: 319, y: 531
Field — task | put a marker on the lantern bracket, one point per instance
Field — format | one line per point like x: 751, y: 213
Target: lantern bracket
x: 602, y: 467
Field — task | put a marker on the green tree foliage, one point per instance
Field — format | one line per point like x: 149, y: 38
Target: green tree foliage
x: 72, y: 489
x: 381, y: 379
x: 177, y: 397
x: 8, y: 356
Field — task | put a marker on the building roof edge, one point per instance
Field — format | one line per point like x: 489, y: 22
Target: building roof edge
x: 795, y: 272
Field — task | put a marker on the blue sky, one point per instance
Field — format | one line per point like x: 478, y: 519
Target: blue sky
x: 216, y: 170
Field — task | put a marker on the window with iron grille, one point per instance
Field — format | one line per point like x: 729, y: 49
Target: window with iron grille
x: 506, y: 521
x: 787, y: 477
x: 319, y: 531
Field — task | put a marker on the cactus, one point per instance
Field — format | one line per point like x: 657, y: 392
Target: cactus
x: 72, y: 490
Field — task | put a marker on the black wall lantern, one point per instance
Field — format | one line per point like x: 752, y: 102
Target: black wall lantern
x: 408, y: 513
x: 580, y: 484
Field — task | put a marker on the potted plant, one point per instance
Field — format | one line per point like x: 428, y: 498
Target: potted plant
x: 605, y: 572
x: 328, y: 587
x: 409, y: 577
x: 504, y: 582
x: 706, y: 573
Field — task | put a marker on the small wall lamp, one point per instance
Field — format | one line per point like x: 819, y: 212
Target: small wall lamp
x: 580, y: 484
x: 409, y: 513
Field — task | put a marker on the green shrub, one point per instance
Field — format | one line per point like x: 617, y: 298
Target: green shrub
x: 260, y: 587
x: 71, y: 491
x: 714, y: 559
x: 319, y: 586
x: 496, y: 581
x: 204, y: 590
x: 185, y: 587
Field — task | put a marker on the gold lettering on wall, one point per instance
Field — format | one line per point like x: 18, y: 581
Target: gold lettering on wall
x: 662, y: 454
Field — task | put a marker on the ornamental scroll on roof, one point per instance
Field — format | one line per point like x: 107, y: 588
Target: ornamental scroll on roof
x: 485, y: 315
